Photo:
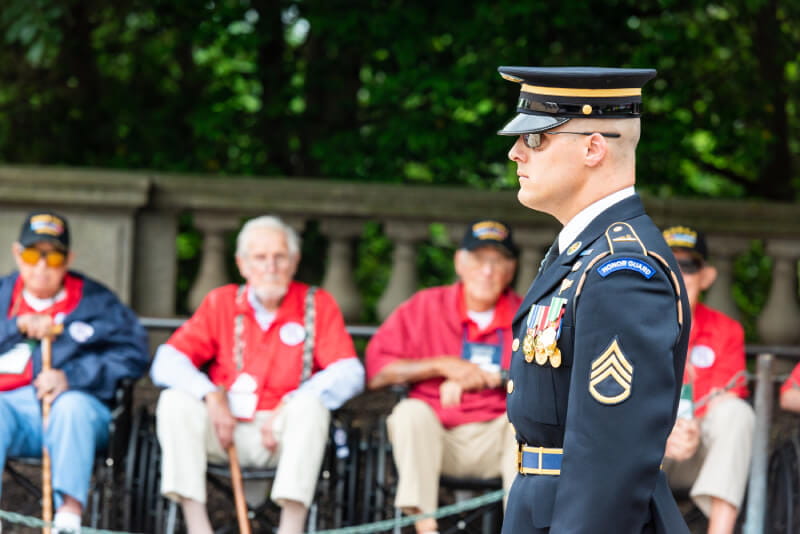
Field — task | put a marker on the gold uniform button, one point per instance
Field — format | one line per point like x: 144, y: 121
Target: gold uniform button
x: 510, y: 387
x: 515, y: 344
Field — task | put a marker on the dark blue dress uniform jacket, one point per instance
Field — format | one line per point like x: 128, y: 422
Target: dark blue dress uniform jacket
x: 623, y: 289
x: 116, y: 348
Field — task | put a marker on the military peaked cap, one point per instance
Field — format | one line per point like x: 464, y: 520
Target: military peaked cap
x: 550, y: 96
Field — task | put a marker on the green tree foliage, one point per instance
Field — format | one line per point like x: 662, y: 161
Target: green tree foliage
x: 396, y: 90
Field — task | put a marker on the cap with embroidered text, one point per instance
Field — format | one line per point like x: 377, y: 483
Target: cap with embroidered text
x: 550, y: 96
x: 688, y: 239
x: 489, y: 232
x: 44, y: 226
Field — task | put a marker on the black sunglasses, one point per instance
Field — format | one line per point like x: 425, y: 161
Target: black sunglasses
x: 689, y: 265
x: 534, y: 140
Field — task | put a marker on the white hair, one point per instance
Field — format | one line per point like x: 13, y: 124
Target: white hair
x: 270, y: 222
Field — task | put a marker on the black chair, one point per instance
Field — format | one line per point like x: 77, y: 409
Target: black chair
x: 102, y: 508
x: 380, y: 483
x: 147, y: 511
x: 783, y: 487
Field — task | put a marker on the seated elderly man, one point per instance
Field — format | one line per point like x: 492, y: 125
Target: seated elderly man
x: 708, y: 450
x: 102, y: 343
x: 452, y: 345
x: 278, y: 359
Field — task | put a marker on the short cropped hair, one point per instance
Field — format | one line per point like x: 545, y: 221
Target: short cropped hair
x: 270, y: 222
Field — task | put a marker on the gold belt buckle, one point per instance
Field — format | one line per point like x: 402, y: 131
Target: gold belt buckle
x: 519, y: 457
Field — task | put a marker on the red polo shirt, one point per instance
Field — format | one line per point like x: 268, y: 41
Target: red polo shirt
x: 274, y: 358
x: 433, y: 323
x: 715, y: 355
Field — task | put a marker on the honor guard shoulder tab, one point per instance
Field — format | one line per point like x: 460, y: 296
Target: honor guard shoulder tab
x: 622, y: 239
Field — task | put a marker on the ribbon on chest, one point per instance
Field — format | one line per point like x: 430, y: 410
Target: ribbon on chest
x: 543, y: 330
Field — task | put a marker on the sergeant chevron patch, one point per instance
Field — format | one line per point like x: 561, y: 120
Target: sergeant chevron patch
x: 611, y: 377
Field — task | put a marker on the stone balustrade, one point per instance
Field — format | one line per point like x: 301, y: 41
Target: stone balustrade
x: 125, y: 226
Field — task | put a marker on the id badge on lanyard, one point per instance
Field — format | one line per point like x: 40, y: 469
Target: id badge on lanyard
x: 686, y: 400
x: 485, y: 355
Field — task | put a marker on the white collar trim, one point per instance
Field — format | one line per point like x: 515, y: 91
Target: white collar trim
x: 579, y: 222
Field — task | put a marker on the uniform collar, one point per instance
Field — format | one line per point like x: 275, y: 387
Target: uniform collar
x: 547, y: 280
x: 579, y: 222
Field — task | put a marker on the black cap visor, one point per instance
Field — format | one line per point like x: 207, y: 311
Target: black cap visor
x: 526, y: 123
x: 32, y: 239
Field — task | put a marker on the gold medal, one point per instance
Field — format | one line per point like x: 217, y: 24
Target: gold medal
x: 515, y: 344
x: 555, y: 358
x: 541, y: 356
x: 528, y: 347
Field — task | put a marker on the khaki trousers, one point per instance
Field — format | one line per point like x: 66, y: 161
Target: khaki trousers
x: 424, y: 450
x: 188, y: 442
x: 721, y: 465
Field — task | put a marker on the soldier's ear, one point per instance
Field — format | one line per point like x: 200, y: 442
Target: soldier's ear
x: 596, y: 148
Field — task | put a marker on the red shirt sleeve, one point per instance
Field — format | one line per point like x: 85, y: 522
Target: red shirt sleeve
x: 793, y: 381
x: 332, y: 342
x: 197, y: 337
x: 732, y: 359
x: 392, y: 340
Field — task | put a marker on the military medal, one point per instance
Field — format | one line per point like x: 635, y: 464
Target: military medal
x: 541, y: 356
x: 529, y: 342
x: 555, y: 358
x: 547, y: 338
x: 527, y: 346
x: 544, y: 328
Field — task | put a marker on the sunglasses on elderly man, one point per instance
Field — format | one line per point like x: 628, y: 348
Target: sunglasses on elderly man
x: 534, y: 140
x: 689, y: 265
x: 53, y: 258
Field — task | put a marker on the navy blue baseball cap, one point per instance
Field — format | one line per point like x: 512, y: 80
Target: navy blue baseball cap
x: 47, y: 226
x: 682, y: 237
x: 550, y: 96
x: 491, y: 233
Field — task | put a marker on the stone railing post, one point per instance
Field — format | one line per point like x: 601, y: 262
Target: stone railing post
x: 778, y: 321
x: 156, y: 265
x: 403, y: 280
x: 338, y: 278
x: 723, y: 251
x: 533, y: 244
x: 212, y: 272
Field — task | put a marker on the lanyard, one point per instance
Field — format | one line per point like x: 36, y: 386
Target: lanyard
x: 309, y: 327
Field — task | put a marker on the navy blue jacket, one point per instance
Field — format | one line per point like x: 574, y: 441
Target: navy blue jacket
x: 116, y: 347
x: 611, y: 403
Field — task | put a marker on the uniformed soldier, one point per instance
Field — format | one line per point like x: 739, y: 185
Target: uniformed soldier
x: 600, y: 338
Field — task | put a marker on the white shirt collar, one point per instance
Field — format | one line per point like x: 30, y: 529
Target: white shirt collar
x: 483, y: 318
x: 42, y: 304
x: 579, y: 222
x: 264, y: 317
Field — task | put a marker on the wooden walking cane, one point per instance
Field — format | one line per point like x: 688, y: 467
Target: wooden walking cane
x: 47, y: 484
x: 238, y: 491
